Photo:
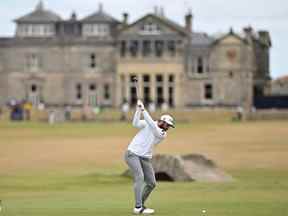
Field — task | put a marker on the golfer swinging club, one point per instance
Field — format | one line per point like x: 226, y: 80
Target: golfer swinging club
x: 139, y: 154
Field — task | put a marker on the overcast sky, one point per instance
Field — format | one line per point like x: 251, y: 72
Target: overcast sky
x: 211, y: 16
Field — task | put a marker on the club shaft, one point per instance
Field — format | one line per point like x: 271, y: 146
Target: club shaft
x: 136, y: 88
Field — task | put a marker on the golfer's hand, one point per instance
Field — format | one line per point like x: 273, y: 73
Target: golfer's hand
x: 140, y: 105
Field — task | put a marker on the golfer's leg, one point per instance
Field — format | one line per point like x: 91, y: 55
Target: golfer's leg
x: 134, y: 164
x: 149, y: 178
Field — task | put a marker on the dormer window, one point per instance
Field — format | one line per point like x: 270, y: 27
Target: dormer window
x: 150, y: 28
x: 35, y: 30
x: 96, y: 30
x: 39, y: 23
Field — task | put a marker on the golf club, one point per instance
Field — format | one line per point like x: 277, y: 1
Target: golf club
x: 135, y: 80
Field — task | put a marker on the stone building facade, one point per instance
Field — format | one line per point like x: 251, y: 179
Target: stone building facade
x: 279, y: 86
x: 92, y: 61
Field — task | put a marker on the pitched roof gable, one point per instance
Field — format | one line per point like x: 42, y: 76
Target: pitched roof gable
x: 229, y: 34
x: 162, y: 20
x: 100, y: 16
x: 39, y: 15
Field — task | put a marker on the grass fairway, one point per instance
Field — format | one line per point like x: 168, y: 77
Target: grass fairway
x: 74, y: 169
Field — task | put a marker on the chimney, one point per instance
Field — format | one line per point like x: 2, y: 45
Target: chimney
x: 248, y: 31
x: 125, y: 19
x: 100, y: 9
x: 188, y: 21
x: 264, y: 37
x: 162, y: 12
x: 40, y: 6
x: 156, y: 10
x: 73, y: 16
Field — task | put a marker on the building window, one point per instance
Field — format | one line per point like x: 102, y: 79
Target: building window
x: 123, y: 48
x: 132, y: 86
x: 207, y: 66
x: 150, y: 28
x: 146, y: 95
x: 133, y: 46
x: 133, y: 96
x: 146, y: 89
x: 36, y: 30
x: 159, y: 78
x: 159, y: 47
x: 146, y: 48
x: 96, y: 30
x: 34, y: 95
x: 92, y: 60
x: 92, y: 87
x: 32, y: 62
x: 79, y: 91
x: 146, y: 78
x: 33, y: 88
x: 92, y: 95
x: 171, y: 96
x: 132, y: 76
x: 159, y: 90
x: 208, y: 94
x: 171, y: 78
x: 107, y: 92
x: 160, y: 98
x: 171, y: 47
x: 200, y: 65
x: 171, y: 86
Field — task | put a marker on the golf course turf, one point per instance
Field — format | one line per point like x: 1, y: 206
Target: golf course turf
x: 75, y: 169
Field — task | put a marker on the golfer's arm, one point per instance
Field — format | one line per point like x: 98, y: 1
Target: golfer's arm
x: 136, y: 119
x: 151, y: 124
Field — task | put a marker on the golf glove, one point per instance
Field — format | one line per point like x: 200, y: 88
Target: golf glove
x: 140, y: 105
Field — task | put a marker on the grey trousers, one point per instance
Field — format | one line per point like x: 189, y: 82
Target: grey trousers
x: 144, y: 177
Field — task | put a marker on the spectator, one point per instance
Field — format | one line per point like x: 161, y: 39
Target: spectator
x: 68, y: 113
x: 41, y: 106
x: 16, y: 112
x: 27, y: 107
x: 239, y: 114
x: 52, y: 116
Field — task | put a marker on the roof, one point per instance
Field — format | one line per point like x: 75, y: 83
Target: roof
x: 201, y: 39
x: 172, y: 23
x: 100, y: 16
x: 39, y: 15
x: 161, y: 19
x: 230, y: 33
x: 282, y: 79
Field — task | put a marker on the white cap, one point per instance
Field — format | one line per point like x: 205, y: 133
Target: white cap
x: 168, y: 119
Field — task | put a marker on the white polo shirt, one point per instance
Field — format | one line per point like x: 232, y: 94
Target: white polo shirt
x: 149, y: 135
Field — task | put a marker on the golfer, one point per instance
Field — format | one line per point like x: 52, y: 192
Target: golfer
x: 139, y: 154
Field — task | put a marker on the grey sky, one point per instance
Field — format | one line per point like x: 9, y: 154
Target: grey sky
x: 211, y: 16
